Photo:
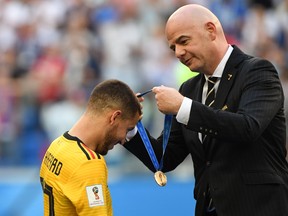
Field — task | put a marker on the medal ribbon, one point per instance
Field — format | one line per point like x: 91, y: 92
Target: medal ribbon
x: 147, y: 143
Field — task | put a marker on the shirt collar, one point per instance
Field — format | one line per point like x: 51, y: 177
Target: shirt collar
x: 220, y: 68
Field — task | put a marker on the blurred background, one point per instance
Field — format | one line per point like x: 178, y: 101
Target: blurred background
x: 52, y: 53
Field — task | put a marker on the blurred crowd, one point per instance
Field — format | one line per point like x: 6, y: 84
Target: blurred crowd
x: 52, y: 53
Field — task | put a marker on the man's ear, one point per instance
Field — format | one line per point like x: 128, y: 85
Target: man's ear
x: 211, y: 28
x: 116, y: 114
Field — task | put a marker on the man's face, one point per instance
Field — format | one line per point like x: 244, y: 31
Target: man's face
x: 117, y: 134
x: 190, y: 43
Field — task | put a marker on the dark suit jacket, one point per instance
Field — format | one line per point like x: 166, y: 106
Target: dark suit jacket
x: 243, y: 156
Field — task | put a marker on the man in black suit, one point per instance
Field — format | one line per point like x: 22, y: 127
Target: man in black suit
x: 237, y: 141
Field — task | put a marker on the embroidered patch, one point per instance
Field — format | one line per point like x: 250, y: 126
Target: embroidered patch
x: 95, y: 195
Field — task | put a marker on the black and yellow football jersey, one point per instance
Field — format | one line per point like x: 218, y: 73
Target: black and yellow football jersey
x: 74, y: 180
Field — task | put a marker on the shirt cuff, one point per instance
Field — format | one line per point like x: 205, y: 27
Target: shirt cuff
x: 131, y: 133
x: 184, y: 111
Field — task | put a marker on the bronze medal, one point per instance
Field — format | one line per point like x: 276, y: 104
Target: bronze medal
x: 160, y: 178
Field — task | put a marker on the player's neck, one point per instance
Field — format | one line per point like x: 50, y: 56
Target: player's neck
x: 89, y: 132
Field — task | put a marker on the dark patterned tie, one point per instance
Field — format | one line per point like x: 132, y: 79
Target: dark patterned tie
x: 211, y: 91
x: 210, y: 96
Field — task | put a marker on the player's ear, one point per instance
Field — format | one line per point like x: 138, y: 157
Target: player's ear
x: 115, y: 115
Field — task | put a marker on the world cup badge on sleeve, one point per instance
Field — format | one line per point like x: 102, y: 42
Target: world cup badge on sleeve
x: 95, y: 195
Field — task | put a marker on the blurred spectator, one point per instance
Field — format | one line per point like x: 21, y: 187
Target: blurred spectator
x: 260, y: 26
x: 81, y: 48
x: 282, y: 16
x: 7, y: 117
x: 46, y: 76
x: 59, y: 116
x: 122, y: 39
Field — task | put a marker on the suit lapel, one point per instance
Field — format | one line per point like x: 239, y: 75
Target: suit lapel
x: 197, y: 90
x: 228, y: 78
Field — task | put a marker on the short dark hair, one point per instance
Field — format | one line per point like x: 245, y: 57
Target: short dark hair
x: 114, y: 94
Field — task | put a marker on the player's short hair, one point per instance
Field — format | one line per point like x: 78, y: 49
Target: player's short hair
x: 114, y: 94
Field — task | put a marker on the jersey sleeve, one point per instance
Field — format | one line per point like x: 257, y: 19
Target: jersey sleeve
x: 87, y: 189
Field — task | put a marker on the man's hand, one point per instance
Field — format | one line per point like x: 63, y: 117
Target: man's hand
x: 168, y: 99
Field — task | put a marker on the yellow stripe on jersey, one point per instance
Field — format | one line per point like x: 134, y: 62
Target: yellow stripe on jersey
x: 74, y: 180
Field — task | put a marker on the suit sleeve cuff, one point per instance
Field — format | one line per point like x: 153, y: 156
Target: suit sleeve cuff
x: 184, y: 111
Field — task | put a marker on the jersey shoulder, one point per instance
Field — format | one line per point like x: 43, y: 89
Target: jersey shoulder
x: 80, y: 147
